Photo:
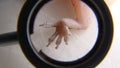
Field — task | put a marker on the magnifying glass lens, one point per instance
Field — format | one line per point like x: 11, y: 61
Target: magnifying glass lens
x: 80, y: 42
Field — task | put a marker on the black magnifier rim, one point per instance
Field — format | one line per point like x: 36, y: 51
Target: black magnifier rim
x: 92, y: 59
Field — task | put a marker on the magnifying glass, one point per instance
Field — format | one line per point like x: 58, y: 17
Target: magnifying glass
x: 86, y: 48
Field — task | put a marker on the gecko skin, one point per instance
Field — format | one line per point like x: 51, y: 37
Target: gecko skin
x: 63, y: 26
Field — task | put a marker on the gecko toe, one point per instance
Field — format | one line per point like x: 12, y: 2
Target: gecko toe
x: 58, y: 41
x: 66, y: 40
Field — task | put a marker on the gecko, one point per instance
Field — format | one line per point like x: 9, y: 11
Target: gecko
x: 64, y: 25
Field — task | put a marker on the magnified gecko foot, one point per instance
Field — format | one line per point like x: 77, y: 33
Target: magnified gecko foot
x: 63, y: 26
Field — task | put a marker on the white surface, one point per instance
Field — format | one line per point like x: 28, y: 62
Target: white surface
x: 112, y: 60
x: 12, y: 56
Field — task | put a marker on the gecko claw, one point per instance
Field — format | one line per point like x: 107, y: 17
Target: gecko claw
x: 48, y: 44
x: 56, y: 47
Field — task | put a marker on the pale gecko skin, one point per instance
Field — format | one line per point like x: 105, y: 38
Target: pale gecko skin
x: 63, y: 26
